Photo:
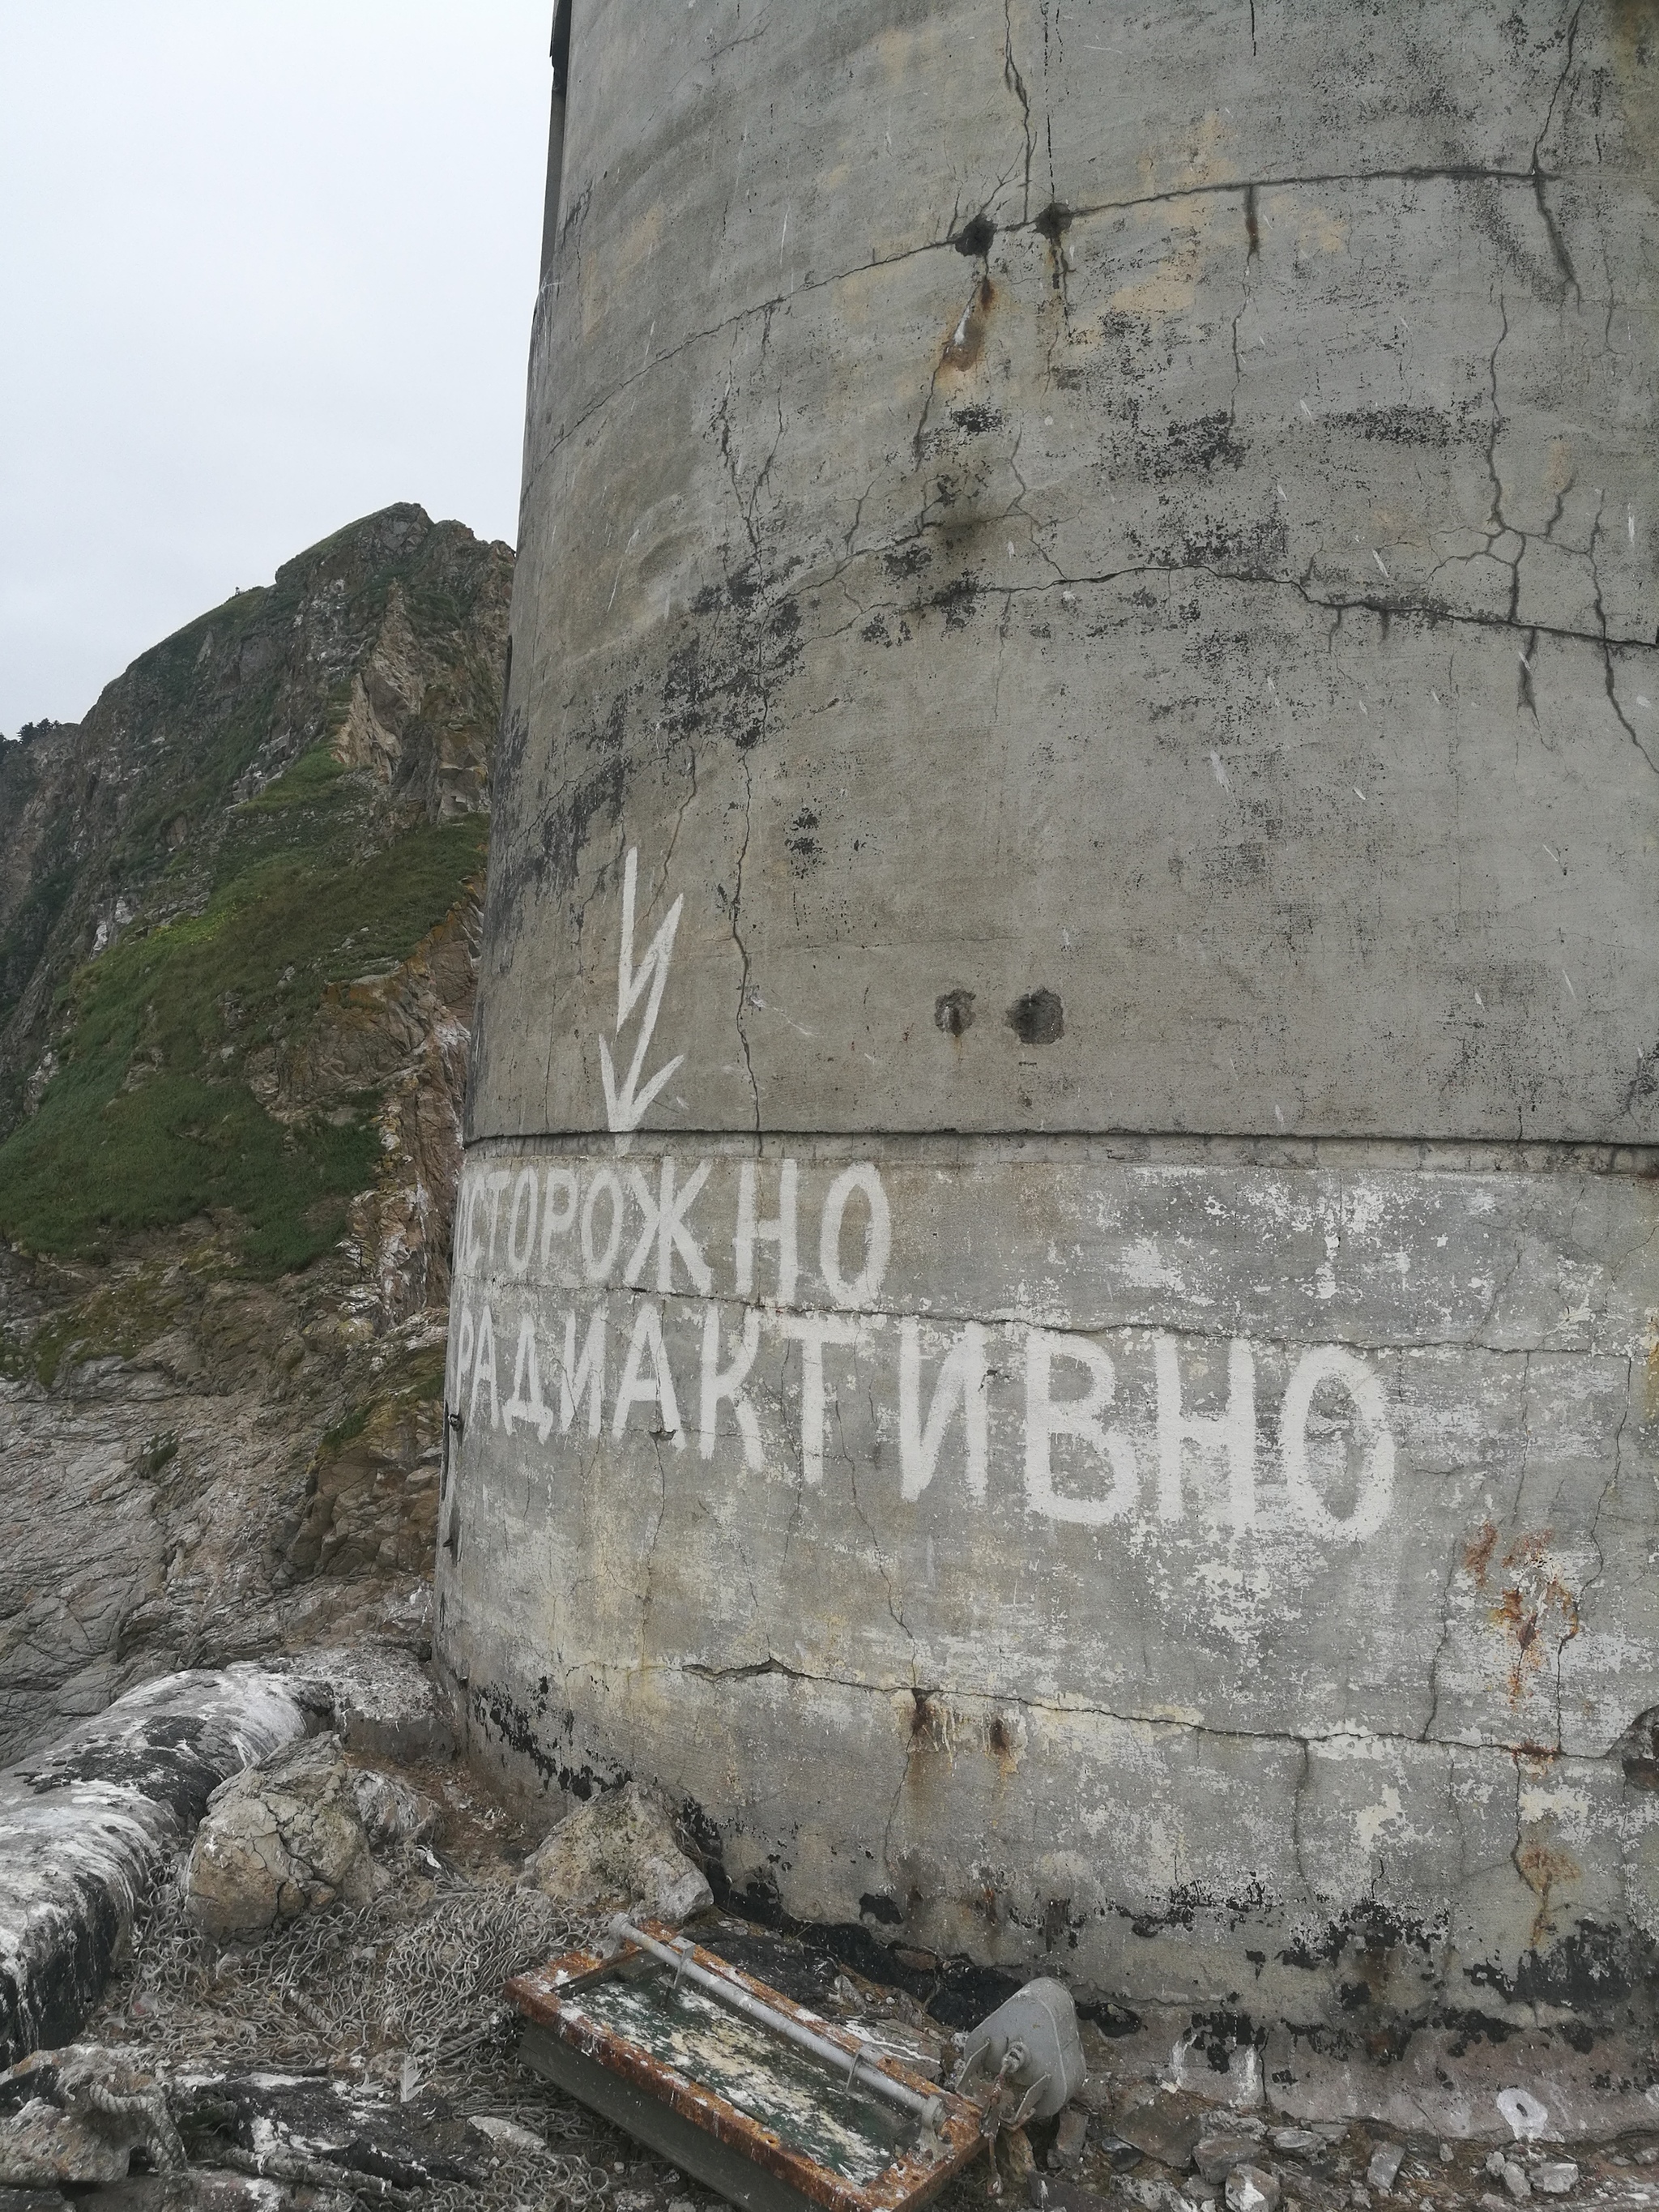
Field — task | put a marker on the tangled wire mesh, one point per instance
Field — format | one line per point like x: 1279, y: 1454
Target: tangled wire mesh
x: 404, y: 1993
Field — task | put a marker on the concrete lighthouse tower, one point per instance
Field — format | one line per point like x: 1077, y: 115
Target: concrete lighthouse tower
x: 1059, y: 1240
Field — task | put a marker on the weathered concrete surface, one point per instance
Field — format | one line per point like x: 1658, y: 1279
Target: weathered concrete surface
x: 1083, y: 699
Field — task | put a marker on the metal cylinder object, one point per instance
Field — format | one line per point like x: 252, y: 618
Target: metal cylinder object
x: 1053, y: 1286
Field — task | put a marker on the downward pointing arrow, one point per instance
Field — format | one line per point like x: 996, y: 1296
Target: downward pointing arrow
x: 625, y: 1106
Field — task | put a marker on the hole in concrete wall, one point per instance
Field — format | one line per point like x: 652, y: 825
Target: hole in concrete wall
x: 1038, y: 1019
x: 953, y: 1011
x: 976, y: 234
x: 1054, y: 222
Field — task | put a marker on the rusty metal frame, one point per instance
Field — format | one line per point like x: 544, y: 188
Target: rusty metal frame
x: 541, y: 1995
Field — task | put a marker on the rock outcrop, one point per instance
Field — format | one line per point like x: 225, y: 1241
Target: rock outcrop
x: 239, y: 917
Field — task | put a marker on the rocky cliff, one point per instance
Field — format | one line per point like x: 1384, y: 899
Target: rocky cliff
x: 237, y: 917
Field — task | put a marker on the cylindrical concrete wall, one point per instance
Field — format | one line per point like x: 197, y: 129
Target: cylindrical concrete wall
x: 1058, y: 1249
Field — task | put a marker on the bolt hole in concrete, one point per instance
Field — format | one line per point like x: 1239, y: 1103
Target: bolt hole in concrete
x: 953, y: 1011
x: 1037, y: 1018
x: 976, y: 236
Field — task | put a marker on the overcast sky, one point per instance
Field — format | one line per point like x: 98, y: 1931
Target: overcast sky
x: 265, y: 266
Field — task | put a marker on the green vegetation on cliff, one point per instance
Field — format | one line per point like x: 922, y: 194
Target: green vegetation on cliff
x: 165, y: 1093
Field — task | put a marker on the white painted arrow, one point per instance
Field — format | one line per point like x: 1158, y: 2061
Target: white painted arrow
x: 626, y: 1108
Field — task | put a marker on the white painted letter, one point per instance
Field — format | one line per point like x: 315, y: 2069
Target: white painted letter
x: 526, y: 1405
x: 463, y: 1357
x: 473, y: 1239
x: 1072, y: 1417
x: 718, y: 1383
x: 480, y: 1374
x: 780, y: 1232
x: 961, y: 1378
x: 665, y: 1227
x: 587, y: 1373
x: 1233, y: 1432
x: 812, y: 1332
x: 597, y: 1264
x: 656, y: 1388
x: 1329, y: 1363
x: 527, y: 1186
x: 496, y: 1183
x: 556, y: 1222
x: 878, y: 1241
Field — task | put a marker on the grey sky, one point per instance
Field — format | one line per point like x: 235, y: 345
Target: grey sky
x: 265, y: 267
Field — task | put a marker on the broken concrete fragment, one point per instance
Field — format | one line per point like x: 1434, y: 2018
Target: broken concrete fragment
x: 1515, y: 2181
x: 391, y: 1812
x: 1295, y: 2142
x: 42, y: 2146
x: 1384, y: 2167
x: 1215, y: 2156
x: 1070, y: 2137
x: 83, y: 2111
x: 380, y: 1700
x: 505, y: 2134
x: 278, y: 1840
x: 1164, y: 2123
x: 1253, y: 2189
x: 619, y: 1852
x: 1557, y: 2176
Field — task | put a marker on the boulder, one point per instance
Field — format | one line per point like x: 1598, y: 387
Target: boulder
x: 291, y: 1835
x: 618, y: 1853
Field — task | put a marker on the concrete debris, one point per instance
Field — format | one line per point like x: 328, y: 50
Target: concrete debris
x: 1384, y: 2167
x: 391, y: 1812
x: 1295, y: 2142
x: 1253, y: 2189
x: 1045, y: 2195
x: 294, y: 1833
x: 1557, y: 2176
x: 1070, y: 2137
x: 506, y: 2132
x: 619, y: 1852
x: 1214, y: 2156
x: 83, y: 2111
x: 1157, y: 2195
x: 1164, y: 2123
x: 379, y: 1699
x: 1515, y: 2181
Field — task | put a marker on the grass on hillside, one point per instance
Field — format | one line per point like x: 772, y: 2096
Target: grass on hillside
x: 150, y: 1121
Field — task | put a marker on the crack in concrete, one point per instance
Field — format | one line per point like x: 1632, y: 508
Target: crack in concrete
x: 1303, y: 1741
x: 1220, y: 1332
x: 1533, y: 178
x: 737, y: 935
x: 1016, y: 84
x: 1397, y: 610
